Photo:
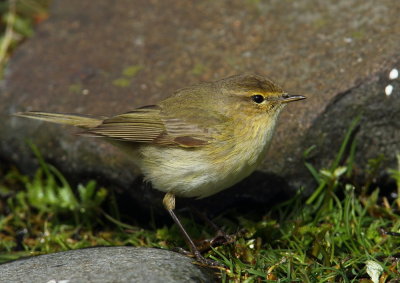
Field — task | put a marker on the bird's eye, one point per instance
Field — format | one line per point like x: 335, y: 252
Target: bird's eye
x: 258, y: 98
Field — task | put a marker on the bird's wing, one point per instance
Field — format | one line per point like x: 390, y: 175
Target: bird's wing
x: 151, y: 125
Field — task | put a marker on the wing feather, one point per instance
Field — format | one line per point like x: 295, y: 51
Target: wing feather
x: 151, y: 125
x: 140, y: 125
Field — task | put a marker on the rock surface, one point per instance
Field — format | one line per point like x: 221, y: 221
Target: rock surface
x: 95, y: 58
x: 106, y: 264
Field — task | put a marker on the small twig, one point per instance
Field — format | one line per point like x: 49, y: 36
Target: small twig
x: 5, y: 44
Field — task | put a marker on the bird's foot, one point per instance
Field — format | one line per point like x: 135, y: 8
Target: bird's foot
x: 200, y: 258
x: 207, y: 261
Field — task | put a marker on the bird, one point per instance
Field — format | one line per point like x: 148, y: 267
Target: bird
x: 199, y: 141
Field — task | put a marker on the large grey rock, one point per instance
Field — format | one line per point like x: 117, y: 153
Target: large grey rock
x: 95, y: 58
x: 106, y: 264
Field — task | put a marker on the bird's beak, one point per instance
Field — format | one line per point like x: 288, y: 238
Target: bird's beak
x: 285, y: 98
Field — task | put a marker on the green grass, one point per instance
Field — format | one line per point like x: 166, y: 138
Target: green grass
x: 343, y: 232
x: 43, y: 213
x: 338, y: 234
x: 17, y: 21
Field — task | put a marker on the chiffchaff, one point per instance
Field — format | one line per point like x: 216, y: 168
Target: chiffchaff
x: 201, y: 140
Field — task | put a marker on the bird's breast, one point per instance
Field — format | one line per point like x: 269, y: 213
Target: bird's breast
x: 204, y: 171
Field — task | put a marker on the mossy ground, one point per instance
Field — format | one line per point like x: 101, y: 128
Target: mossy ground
x: 344, y: 232
x: 347, y: 231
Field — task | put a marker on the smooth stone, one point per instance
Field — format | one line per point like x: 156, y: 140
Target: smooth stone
x: 95, y: 58
x: 106, y: 264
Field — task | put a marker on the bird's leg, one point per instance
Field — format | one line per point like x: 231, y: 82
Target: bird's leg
x: 169, y: 204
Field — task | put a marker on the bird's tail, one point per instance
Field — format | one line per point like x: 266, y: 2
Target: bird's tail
x: 67, y: 119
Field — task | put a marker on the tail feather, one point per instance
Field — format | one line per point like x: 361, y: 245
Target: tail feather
x: 67, y: 119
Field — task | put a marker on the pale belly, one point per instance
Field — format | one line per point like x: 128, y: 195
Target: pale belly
x: 189, y: 174
x: 192, y: 173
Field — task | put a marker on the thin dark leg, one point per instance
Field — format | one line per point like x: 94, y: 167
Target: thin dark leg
x: 186, y: 236
x: 169, y: 203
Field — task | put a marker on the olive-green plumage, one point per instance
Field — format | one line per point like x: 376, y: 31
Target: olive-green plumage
x: 199, y: 141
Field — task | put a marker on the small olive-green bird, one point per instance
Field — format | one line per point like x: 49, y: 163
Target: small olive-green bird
x: 199, y: 141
